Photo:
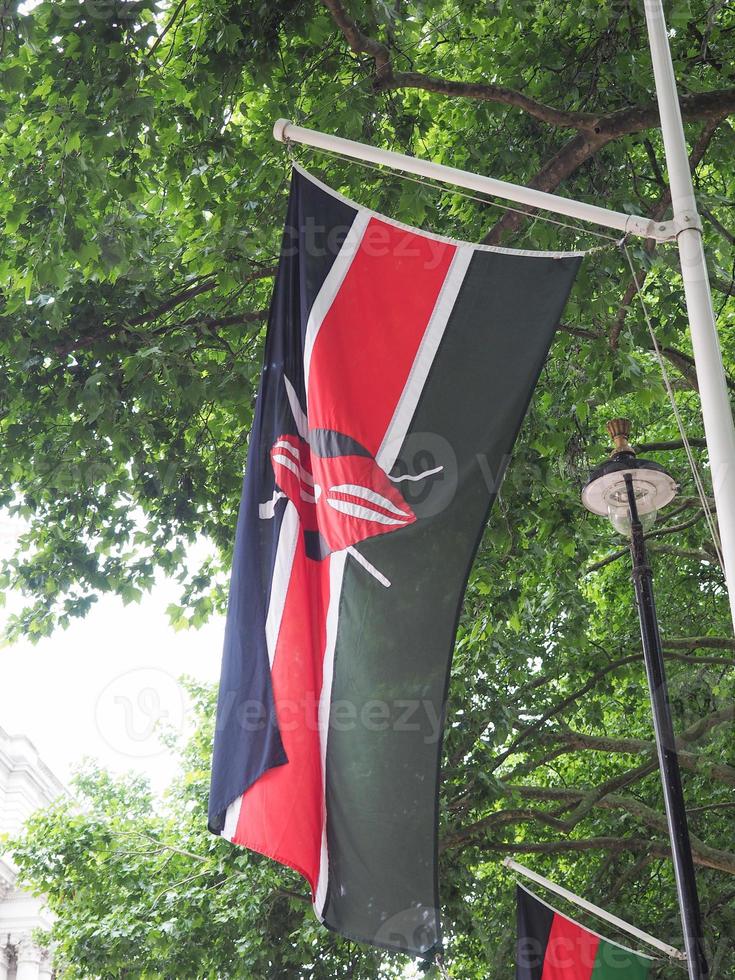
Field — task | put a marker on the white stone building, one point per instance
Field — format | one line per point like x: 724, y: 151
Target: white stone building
x: 26, y: 784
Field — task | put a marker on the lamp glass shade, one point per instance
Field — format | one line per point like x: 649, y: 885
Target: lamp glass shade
x: 606, y: 492
x: 620, y: 518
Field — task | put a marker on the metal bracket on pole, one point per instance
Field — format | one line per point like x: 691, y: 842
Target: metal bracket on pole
x: 686, y: 221
x: 666, y: 231
x: 629, y: 224
x: 669, y: 231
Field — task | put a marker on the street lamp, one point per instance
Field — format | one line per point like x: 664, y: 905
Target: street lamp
x: 630, y: 492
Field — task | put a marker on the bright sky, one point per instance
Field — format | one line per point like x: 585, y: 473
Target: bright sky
x: 99, y: 688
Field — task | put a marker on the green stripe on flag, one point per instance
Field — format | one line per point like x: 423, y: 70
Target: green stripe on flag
x: 613, y: 962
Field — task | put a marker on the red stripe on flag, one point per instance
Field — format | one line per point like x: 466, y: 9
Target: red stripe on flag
x: 282, y: 813
x: 367, y: 342
x: 570, y: 951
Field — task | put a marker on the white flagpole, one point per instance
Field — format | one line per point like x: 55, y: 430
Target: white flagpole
x: 595, y: 910
x: 716, y: 411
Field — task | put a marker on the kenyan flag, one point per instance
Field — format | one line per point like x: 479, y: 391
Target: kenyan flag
x: 553, y: 947
x: 398, y: 367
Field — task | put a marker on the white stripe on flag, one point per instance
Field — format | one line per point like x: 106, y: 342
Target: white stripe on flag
x: 298, y: 413
x: 331, y: 286
x: 336, y: 575
x: 396, y: 431
x: 231, y: 820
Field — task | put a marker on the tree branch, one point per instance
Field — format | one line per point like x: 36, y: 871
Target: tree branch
x: 608, y: 126
x: 485, y: 92
x: 289, y: 893
x: 710, y: 857
x: 212, y: 322
x: 561, y: 705
x: 713, y: 219
x: 193, y: 323
x: 612, y: 844
x: 172, y: 20
x: 172, y: 302
x: 674, y: 643
x: 693, y: 553
x: 727, y: 288
x: 703, y: 854
x: 191, y: 292
x: 177, y: 299
x: 700, y: 728
x: 699, y: 643
x: 577, y: 741
x: 579, y: 331
x: 654, y: 447
x: 719, y: 860
x: 386, y: 79
x: 359, y: 42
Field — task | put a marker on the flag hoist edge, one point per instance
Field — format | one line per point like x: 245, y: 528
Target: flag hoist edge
x: 398, y: 368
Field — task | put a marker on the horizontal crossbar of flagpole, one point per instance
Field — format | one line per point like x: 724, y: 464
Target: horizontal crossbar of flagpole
x: 595, y: 910
x: 630, y: 224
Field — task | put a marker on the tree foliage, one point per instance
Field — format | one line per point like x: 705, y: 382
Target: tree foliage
x: 142, y: 212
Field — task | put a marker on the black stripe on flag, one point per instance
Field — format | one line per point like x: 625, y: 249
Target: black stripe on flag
x: 533, y: 927
x: 394, y: 646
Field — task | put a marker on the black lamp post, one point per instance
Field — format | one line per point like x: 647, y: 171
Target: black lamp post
x: 630, y: 492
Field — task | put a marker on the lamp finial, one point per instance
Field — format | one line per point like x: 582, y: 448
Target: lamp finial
x: 619, y: 430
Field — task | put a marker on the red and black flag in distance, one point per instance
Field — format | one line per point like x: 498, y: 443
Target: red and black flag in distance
x: 554, y: 947
x: 398, y: 368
